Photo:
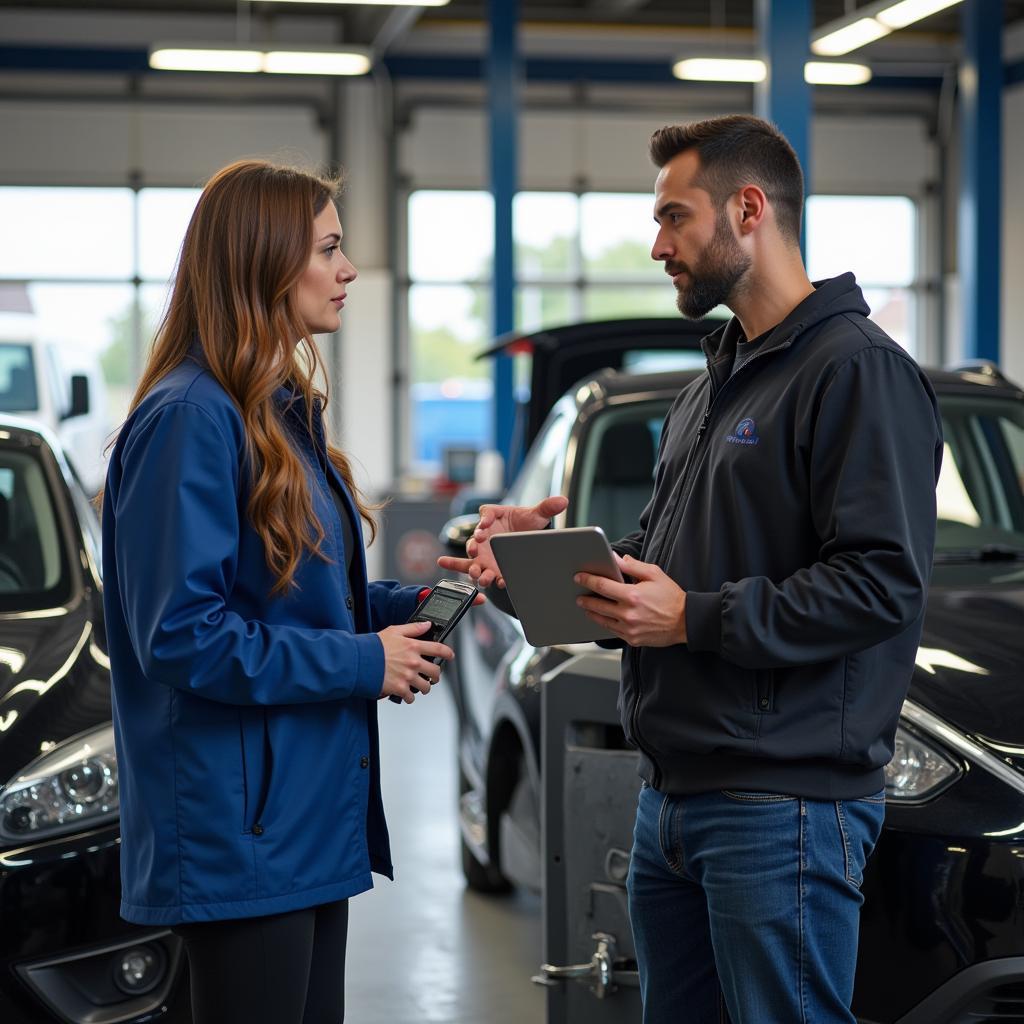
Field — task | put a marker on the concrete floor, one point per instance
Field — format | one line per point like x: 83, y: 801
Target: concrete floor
x: 424, y: 950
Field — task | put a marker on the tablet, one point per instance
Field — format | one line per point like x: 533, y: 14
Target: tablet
x: 539, y: 565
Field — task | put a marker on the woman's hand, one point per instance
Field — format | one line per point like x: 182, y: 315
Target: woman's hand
x: 481, y: 566
x: 405, y: 660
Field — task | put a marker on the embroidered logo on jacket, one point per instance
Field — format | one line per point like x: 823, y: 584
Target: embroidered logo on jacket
x: 745, y: 433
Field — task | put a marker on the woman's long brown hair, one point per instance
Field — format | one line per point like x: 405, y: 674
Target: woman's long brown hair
x: 246, y: 247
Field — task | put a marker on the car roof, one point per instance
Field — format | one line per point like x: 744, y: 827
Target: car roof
x: 971, y: 380
x: 25, y: 431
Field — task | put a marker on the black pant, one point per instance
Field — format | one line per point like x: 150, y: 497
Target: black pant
x: 283, y: 969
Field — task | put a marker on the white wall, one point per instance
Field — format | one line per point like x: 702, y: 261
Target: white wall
x: 54, y: 143
x: 448, y: 148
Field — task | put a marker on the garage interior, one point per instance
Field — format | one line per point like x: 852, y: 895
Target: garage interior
x: 497, y: 182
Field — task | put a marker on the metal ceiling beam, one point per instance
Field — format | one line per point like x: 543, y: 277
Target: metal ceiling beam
x: 616, y: 6
x: 455, y: 67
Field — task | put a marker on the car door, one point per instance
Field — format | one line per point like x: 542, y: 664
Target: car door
x: 491, y: 638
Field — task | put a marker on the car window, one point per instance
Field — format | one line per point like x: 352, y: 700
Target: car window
x: 616, y: 477
x: 17, y: 379
x: 661, y: 361
x: 33, y: 567
x: 981, y: 487
x: 541, y: 474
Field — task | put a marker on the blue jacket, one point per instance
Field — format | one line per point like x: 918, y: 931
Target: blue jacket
x: 245, y: 724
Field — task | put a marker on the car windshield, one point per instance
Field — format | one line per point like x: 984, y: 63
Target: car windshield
x: 981, y: 486
x: 33, y: 567
x: 980, y: 495
x: 17, y: 379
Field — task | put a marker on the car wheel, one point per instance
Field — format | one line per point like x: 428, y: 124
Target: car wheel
x: 483, y: 878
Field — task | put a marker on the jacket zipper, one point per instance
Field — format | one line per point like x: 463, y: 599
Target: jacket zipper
x: 684, y: 493
x: 634, y: 652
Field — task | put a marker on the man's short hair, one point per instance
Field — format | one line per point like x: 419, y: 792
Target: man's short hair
x: 735, y: 151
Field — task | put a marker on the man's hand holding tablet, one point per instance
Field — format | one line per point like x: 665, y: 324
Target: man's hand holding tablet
x: 648, y: 613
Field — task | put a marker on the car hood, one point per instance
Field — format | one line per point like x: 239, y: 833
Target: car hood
x: 970, y: 664
x: 53, y: 682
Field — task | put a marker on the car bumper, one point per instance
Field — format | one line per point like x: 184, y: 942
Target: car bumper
x: 942, y: 931
x: 65, y: 954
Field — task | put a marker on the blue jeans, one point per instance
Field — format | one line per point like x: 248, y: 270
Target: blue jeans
x: 745, y: 906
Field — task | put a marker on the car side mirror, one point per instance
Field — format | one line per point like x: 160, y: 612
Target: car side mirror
x: 79, y: 397
x: 455, y: 534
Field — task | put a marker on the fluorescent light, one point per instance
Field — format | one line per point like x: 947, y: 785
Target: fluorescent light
x: 316, y: 62
x: 873, y: 22
x: 365, y: 3
x: 722, y: 69
x: 849, y: 37
x: 719, y: 69
x: 184, y: 58
x: 908, y: 11
x: 825, y: 73
x: 347, y: 60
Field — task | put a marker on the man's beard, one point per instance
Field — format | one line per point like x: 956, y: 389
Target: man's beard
x: 714, y: 276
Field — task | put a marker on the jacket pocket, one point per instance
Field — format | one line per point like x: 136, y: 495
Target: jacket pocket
x: 764, y: 691
x: 257, y: 766
x: 806, y: 711
x: 694, y: 703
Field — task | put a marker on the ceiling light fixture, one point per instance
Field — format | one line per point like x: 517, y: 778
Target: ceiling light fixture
x: 254, y: 58
x: 819, y: 72
x: 316, y: 62
x: 720, y: 69
x: 190, y: 58
x: 849, y: 37
x: 378, y: 3
x: 873, y: 21
x: 908, y: 11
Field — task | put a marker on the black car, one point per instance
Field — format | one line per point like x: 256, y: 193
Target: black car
x: 65, y: 955
x: 942, y: 933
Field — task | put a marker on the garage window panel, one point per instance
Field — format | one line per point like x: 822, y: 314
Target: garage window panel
x: 163, y: 216
x: 91, y: 323
x: 66, y: 233
x: 546, y: 227
x: 876, y: 238
x: 96, y: 265
x: 609, y: 301
x: 616, y: 235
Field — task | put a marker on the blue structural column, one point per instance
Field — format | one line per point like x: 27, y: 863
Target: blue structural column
x: 503, y: 75
x: 981, y: 116
x: 784, y: 97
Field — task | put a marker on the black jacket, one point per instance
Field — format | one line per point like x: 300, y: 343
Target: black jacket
x: 794, y: 502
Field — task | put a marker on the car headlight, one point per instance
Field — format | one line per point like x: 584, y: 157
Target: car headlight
x: 917, y: 771
x: 71, y: 787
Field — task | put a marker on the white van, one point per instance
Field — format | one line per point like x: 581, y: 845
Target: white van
x: 35, y: 384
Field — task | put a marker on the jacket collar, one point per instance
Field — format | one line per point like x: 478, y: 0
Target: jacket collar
x: 831, y: 297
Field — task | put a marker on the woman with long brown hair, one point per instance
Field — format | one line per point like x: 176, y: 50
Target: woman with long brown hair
x: 247, y: 649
